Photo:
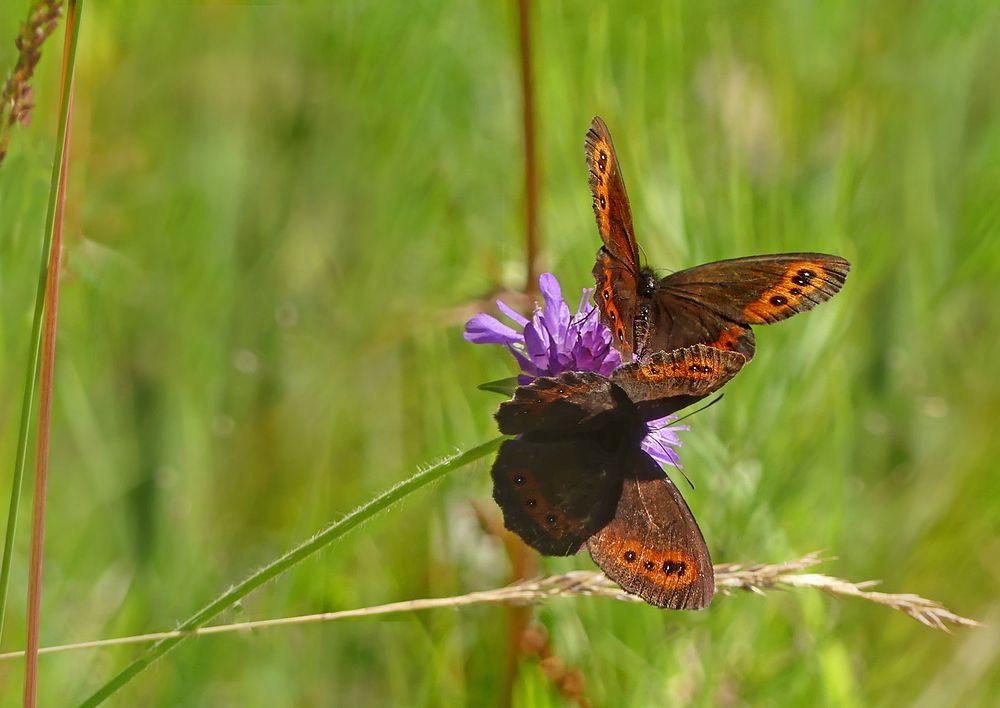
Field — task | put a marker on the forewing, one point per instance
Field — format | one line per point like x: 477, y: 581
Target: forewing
x: 664, y: 382
x: 566, y: 403
x: 555, y: 495
x: 653, y: 547
x: 616, y: 296
x: 715, y: 303
x: 617, y: 268
x: 607, y: 187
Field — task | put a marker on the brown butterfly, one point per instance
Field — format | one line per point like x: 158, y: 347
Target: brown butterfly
x: 712, y: 304
x: 576, y: 474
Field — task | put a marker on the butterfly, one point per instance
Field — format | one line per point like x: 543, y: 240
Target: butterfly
x: 712, y: 304
x: 576, y: 475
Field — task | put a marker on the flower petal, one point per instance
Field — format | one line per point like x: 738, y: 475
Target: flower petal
x: 518, y: 318
x: 660, y: 451
x: 661, y: 440
x: 529, y: 372
x: 536, y: 343
x: 551, y: 290
x: 556, y: 315
x: 486, y: 329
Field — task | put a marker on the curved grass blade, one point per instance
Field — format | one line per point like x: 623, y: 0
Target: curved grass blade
x: 292, y: 558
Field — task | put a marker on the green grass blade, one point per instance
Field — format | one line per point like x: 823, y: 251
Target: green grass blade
x: 293, y: 557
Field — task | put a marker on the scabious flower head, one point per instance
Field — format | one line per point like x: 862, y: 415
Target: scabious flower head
x: 554, y: 341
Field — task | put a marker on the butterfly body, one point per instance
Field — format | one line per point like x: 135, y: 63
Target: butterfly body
x: 646, y: 283
x: 577, y: 477
x: 712, y: 304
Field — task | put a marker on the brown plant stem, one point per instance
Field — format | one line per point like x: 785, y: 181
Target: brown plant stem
x: 523, y: 565
x: 48, y: 357
x: 42, y: 448
x: 530, y: 152
x: 566, y: 679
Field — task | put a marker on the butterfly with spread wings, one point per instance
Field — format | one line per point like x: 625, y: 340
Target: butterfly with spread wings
x: 712, y: 304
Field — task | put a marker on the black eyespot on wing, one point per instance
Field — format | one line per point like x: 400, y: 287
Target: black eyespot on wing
x: 569, y: 491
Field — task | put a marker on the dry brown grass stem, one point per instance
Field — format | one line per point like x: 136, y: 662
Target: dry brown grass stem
x: 758, y: 578
x: 729, y: 577
x: 16, y: 100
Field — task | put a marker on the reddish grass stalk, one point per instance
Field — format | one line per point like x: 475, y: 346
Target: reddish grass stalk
x: 16, y: 102
x: 44, y: 427
x: 48, y: 357
x: 523, y: 565
x: 530, y: 153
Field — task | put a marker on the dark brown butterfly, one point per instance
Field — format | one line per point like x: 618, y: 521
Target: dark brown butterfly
x: 712, y: 304
x: 576, y: 474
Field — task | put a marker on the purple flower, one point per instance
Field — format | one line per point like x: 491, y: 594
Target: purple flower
x: 661, y: 442
x: 553, y: 341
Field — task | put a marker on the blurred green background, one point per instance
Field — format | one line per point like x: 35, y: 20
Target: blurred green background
x: 279, y: 216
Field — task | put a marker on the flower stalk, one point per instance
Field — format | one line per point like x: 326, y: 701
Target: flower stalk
x: 292, y: 558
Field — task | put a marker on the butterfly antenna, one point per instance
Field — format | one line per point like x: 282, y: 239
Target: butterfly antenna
x: 670, y: 460
x: 586, y: 315
x: 663, y: 272
x: 677, y: 466
x: 675, y: 422
x: 704, y: 407
x: 682, y: 418
x: 684, y: 475
x: 580, y: 318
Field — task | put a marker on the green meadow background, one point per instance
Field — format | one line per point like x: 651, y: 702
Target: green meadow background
x: 279, y: 218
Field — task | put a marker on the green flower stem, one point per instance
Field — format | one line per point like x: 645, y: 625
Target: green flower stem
x: 293, y: 557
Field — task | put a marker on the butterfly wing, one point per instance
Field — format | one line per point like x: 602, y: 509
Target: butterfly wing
x: 556, y: 494
x: 664, y: 382
x: 569, y: 402
x: 611, y: 207
x: 617, y: 300
x: 653, y: 547
x: 617, y: 270
x: 716, y: 303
